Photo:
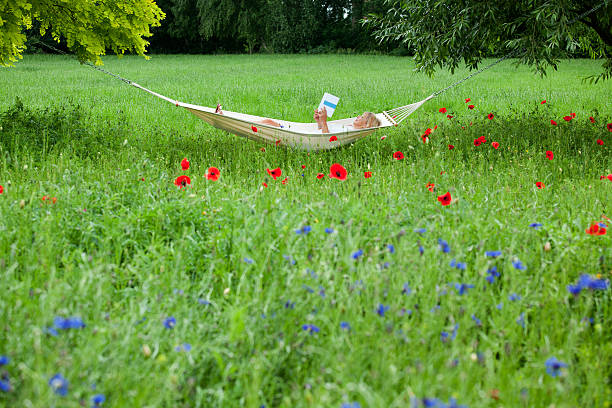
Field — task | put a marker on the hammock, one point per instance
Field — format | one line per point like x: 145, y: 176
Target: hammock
x: 299, y: 135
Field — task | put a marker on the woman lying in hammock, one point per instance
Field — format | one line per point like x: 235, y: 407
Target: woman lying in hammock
x: 363, y: 121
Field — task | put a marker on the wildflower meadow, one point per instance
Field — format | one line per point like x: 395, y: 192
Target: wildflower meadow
x: 461, y: 259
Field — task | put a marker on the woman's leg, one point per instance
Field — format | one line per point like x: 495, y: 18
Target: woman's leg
x: 270, y: 122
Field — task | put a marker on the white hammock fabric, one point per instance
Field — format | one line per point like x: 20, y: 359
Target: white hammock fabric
x: 299, y: 135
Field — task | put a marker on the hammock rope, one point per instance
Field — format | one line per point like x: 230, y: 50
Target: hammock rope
x: 304, y: 135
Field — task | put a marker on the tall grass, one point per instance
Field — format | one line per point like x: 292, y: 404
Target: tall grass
x: 122, y: 243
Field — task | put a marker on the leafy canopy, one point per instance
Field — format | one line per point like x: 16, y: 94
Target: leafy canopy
x: 89, y: 27
x: 442, y: 33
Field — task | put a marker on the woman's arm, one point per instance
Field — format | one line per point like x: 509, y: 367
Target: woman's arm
x: 321, y: 118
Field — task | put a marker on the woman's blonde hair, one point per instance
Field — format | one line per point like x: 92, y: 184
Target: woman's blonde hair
x: 371, y: 120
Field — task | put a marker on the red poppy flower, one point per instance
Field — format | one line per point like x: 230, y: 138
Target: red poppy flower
x: 182, y: 181
x: 431, y: 186
x: 600, y: 142
x: 549, y: 155
x: 482, y: 139
x: 398, y: 155
x: 277, y: 142
x: 253, y: 128
x: 567, y: 118
x: 471, y: 107
x: 595, y: 229
x: 1, y: 189
x: 449, y: 116
x: 303, y: 166
x: 451, y: 147
x: 142, y: 179
x: 367, y: 174
x: 573, y: 115
x: 47, y: 199
x: 333, y: 138
x: 428, y: 131
x: 184, y: 164
x: 445, y: 199
x: 212, y: 174
x: 592, y: 119
x: 383, y: 137
x: 540, y: 185
x: 442, y: 172
x: 264, y: 184
x: 467, y: 100
x: 435, y: 127
x: 543, y: 102
x: 274, y: 173
x: 284, y: 181
x: 609, y: 125
x: 552, y: 122
x: 320, y: 176
x: 610, y: 177
x: 490, y: 116
x: 442, y: 110
x: 337, y: 171
x: 425, y: 139
x: 495, y: 145
x: 477, y: 142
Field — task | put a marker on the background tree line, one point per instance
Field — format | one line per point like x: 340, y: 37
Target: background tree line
x: 271, y: 26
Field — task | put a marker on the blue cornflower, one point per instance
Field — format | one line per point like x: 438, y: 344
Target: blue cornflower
x: 179, y: 292
x: 420, y: 231
x: 492, y: 274
x: 493, y: 254
x: 68, y: 323
x: 97, y: 400
x: 59, y: 384
x: 406, y: 289
x: 329, y: 230
x: 452, y: 403
x: 321, y: 291
x: 308, y: 288
x: 311, y: 328
x: 535, y: 225
x: 304, y: 230
x: 391, y: 248
x: 452, y: 263
x: 514, y: 297
x: 203, y: 302
x: 431, y: 402
x: 381, y: 309
x: 476, y: 320
x: 588, y: 282
x: 289, y: 259
x: 518, y: 265
x: 421, y: 250
x: 445, y: 336
x: 345, y: 326
x: 574, y: 289
x: 463, y: 288
x: 247, y: 260
x: 289, y: 305
x: 186, y: 347
x: 499, y: 306
x: 521, y: 320
x: 4, y: 360
x: 51, y: 331
x: 350, y: 405
x: 170, y: 322
x: 5, y: 385
x: 602, y: 225
x: 357, y: 254
x: 554, y: 366
x: 461, y: 265
x: 444, y: 247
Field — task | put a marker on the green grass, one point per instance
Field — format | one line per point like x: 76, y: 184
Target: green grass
x: 114, y: 249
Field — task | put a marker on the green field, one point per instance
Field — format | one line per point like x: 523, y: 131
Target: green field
x: 124, y: 249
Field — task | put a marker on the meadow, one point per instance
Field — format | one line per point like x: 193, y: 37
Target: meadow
x: 120, y: 289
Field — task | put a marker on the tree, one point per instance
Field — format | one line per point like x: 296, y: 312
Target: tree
x: 89, y: 27
x: 442, y: 33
